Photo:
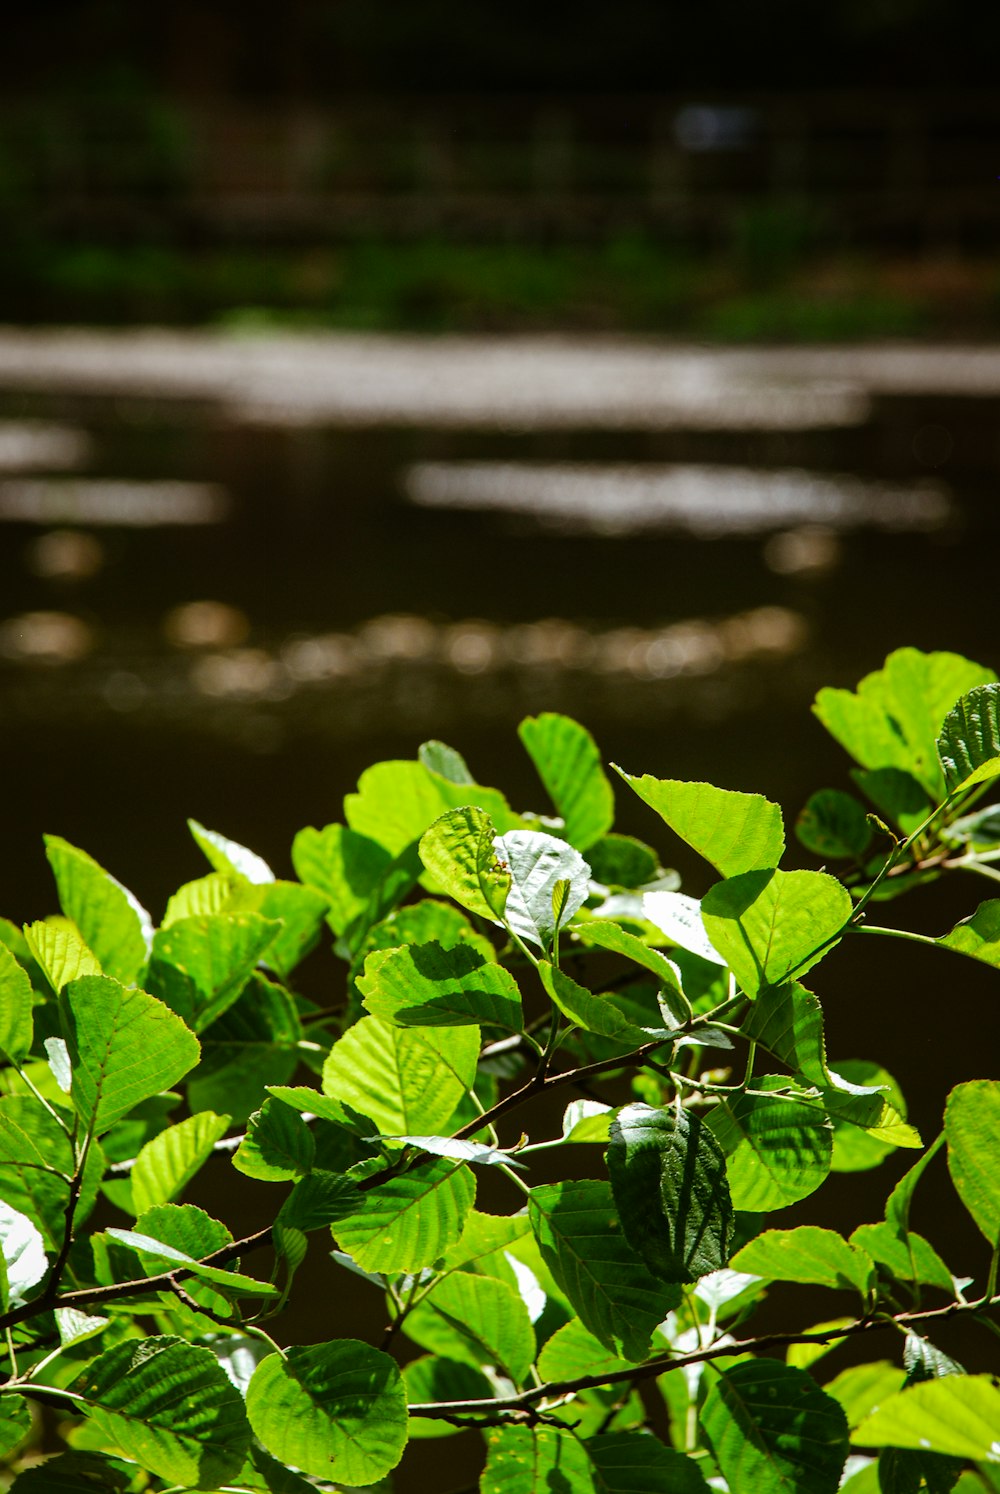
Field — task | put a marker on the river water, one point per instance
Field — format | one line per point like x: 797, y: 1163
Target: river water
x: 238, y: 570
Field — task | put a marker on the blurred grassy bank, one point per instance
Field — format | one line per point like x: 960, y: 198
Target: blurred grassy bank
x: 763, y: 288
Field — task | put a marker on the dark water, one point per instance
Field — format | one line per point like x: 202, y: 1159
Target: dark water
x: 265, y: 732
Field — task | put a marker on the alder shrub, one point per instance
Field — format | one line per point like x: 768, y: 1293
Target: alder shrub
x: 470, y: 940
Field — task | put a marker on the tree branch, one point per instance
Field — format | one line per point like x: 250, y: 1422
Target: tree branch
x: 516, y: 1405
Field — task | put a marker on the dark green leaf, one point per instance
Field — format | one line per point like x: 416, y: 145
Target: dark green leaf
x: 253, y: 1044
x: 735, y: 832
x: 773, y: 1431
x: 895, y: 794
x: 569, y: 765
x: 969, y: 744
x: 15, y: 1423
x: 834, y: 826
x: 76, y: 1473
x: 170, y: 1406
x: 318, y: 1199
x: 582, y: 1242
x: 535, y: 1460
x: 637, y: 1463
x: 124, y: 1047
x: 668, y: 1176
x: 426, y: 985
x: 622, y: 861
x: 36, y: 1163
x: 433, y: 1378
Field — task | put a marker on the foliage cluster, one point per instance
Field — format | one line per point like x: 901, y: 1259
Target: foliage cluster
x: 489, y: 957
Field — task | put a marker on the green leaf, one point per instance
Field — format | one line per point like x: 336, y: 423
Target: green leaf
x: 36, y: 1163
x: 860, y: 1388
x: 807, y: 1254
x: 60, y: 952
x: 787, y: 1020
x: 124, y: 1046
x: 448, y: 763
x: 591, y: 1012
x: 485, y: 1235
x: 411, y: 1219
x: 958, y: 1415
x: 537, y: 863
x: 199, y: 966
x: 478, y: 1320
x: 23, y: 1261
x: 834, y: 826
x: 433, y: 1378
x: 622, y: 861
x: 209, y: 894
x: 582, y: 1242
x: 111, y: 921
x: 426, y: 922
x: 894, y: 719
x: 345, y: 866
x: 16, y: 1028
x: 896, y: 795
x: 969, y: 744
x: 159, y: 1256
x: 426, y: 985
x: 169, y: 1406
x: 397, y: 801
x: 229, y: 857
x: 535, y: 1460
x: 771, y: 1429
x: 679, y: 918
x: 569, y: 765
x: 777, y: 1150
x: 407, y: 1080
x: 735, y: 832
x: 573, y: 1350
x: 254, y: 1043
x: 972, y: 1129
x: 868, y: 1112
x: 637, y: 1463
x: 318, y: 1199
x: 668, y: 1176
x: 897, y: 1208
x: 977, y: 936
x: 458, y: 851
x: 298, y: 910
x: 167, y: 1164
x: 15, y: 1424
x: 335, y: 1410
x: 75, y: 1473
x: 908, y: 1259
x: 278, y: 1146
x: 606, y: 934
x: 771, y: 925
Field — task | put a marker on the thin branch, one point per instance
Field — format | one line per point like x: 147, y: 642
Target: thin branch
x: 664, y: 1363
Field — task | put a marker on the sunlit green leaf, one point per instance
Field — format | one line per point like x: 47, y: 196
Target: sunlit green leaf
x: 773, y: 1431
x: 408, y: 1080
x: 569, y: 765
x: 60, y: 952
x: 978, y: 935
x: 167, y: 1164
x: 199, y: 966
x: 972, y: 1129
x: 397, y: 801
x: 23, y: 1261
x: 581, y: 1240
x: 170, y: 1406
x: 411, y: 1219
x: 278, y: 1145
x: 860, y: 1388
x: 477, y: 1320
x: 777, y: 1150
x: 159, y: 1256
x: 909, y: 1259
x: 958, y: 1415
x: 124, y: 1047
x: 806, y: 1254
x: 537, y: 862
x: 606, y: 934
x: 535, y: 1460
x: 15, y: 1007
x: 595, y: 1013
x: 37, y: 1162
x: 228, y: 856
x: 573, y: 1351
x: 425, y: 985
x: 668, y: 1176
x: 345, y: 866
x: 771, y: 925
x: 735, y: 832
x: 111, y: 921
